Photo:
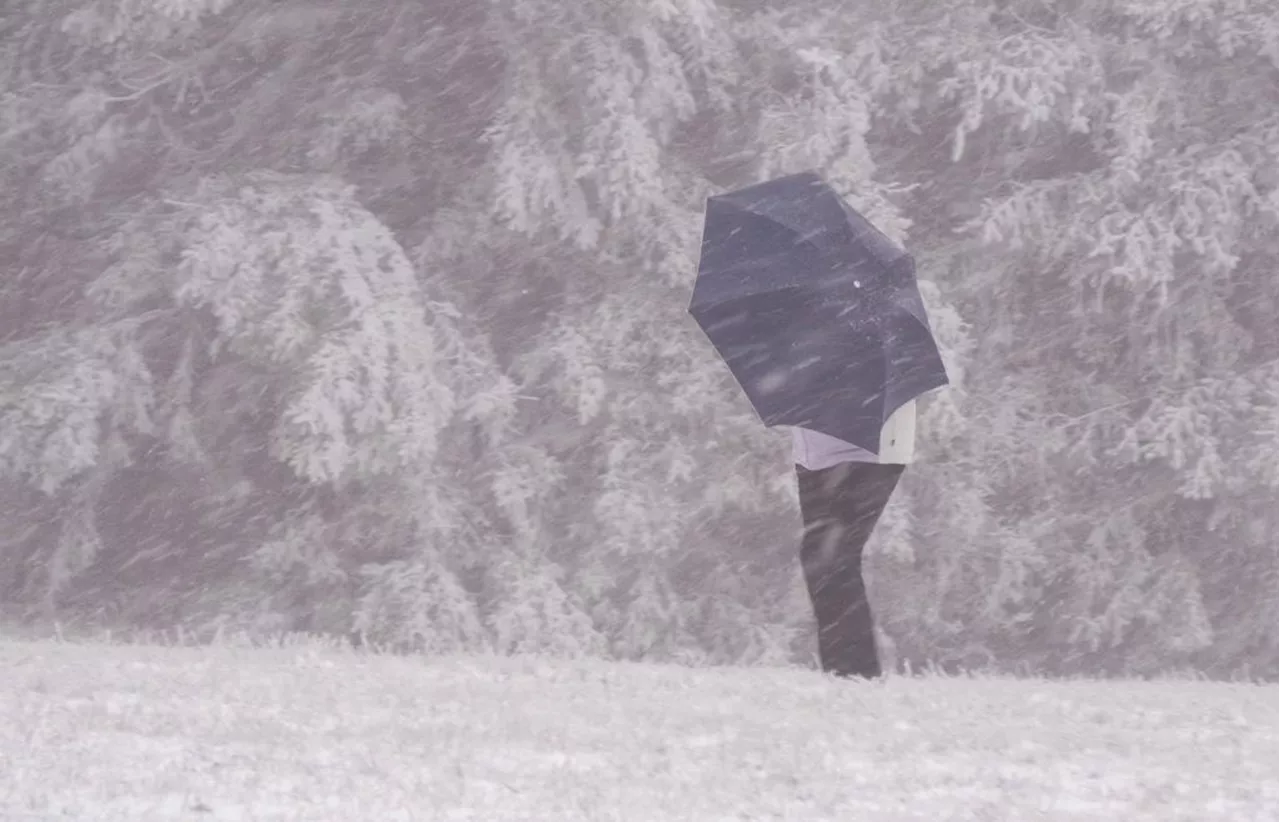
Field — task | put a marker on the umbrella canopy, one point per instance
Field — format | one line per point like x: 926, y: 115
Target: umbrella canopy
x: 817, y: 314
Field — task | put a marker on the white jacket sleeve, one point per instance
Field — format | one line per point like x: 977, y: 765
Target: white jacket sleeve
x: 898, y: 437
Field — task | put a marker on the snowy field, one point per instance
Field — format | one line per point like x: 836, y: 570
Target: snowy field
x: 100, y: 732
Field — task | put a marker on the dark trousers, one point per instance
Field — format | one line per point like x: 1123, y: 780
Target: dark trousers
x: 840, y: 506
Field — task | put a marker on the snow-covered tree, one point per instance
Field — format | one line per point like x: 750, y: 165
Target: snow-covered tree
x: 373, y: 320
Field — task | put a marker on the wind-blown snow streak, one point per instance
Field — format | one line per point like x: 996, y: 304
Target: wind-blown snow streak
x: 99, y: 732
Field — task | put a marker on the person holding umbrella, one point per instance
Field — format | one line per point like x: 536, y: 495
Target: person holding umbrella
x: 820, y: 320
x: 843, y: 490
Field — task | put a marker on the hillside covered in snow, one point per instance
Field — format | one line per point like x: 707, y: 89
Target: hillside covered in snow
x: 98, y: 733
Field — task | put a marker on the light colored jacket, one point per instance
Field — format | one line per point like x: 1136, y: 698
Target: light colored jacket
x: 817, y: 451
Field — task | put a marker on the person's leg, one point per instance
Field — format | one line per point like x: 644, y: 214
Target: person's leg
x: 840, y: 506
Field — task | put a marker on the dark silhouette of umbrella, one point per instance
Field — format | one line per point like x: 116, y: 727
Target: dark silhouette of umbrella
x: 817, y: 314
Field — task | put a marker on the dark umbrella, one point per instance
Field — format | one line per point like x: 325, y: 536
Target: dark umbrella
x: 816, y: 312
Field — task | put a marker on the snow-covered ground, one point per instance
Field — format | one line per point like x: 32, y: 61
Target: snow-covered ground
x: 101, y: 732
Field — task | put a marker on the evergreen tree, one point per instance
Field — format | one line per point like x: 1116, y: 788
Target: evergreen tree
x: 373, y: 320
